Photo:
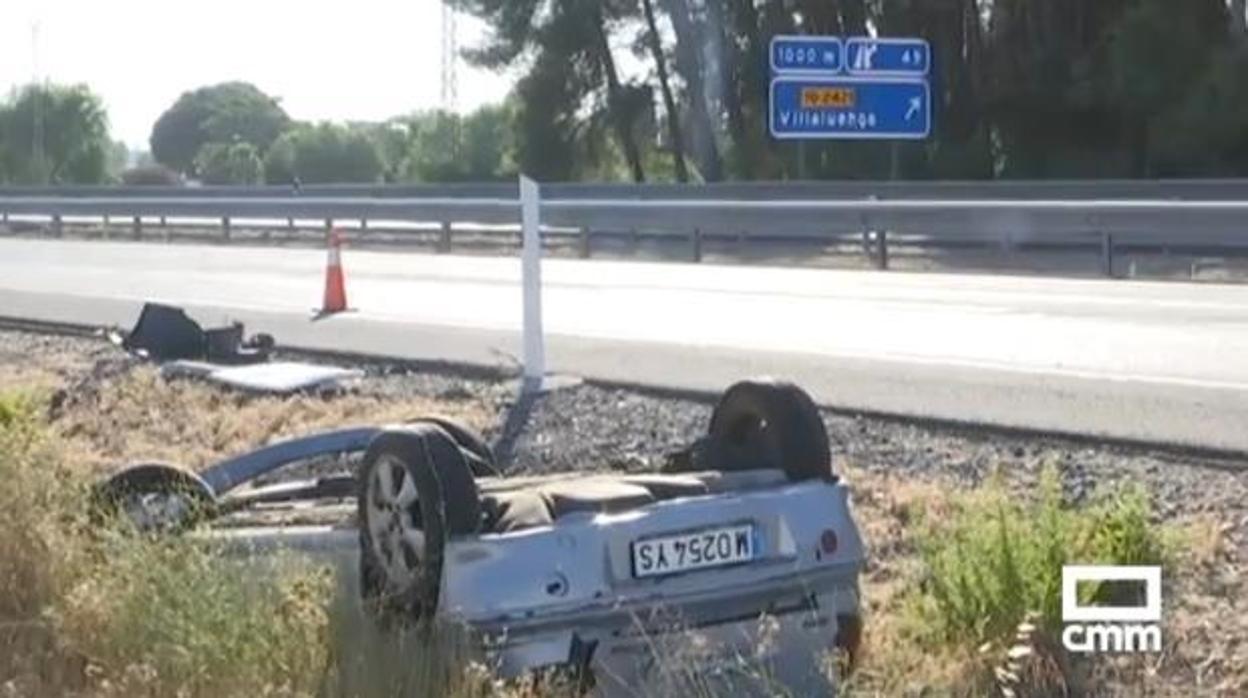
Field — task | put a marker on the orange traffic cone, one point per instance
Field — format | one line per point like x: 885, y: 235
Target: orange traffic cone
x: 335, y: 282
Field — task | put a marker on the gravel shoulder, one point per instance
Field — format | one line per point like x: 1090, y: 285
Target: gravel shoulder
x: 110, y: 412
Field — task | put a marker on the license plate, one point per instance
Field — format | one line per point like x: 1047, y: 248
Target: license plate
x: 697, y: 550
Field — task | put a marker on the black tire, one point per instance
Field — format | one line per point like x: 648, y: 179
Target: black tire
x: 765, y: 423
x: 112, y: 499
x: 480, y: 455
x: 447, y: 504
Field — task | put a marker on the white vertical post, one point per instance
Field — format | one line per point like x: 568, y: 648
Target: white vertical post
x: 531, y: 281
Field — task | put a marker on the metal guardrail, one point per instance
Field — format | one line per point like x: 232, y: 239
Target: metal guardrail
x: 479, y: 210
x: 1217, y: 224
x: 977, y: 218
x: 1076, y: 190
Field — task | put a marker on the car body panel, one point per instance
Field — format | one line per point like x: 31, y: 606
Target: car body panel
x: 541, y: 596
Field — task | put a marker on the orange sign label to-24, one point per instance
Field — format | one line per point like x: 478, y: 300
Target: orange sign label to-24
x: 828, y: 98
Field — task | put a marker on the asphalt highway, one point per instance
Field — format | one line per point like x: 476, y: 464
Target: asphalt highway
x: 1144, y: 361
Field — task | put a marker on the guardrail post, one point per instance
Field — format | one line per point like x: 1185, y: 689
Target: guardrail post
x: 444, y: 237
x: 329, y: 225
x: 225, y: 228
x: 57, y: 228
x: 695, y: 245
x: 584, y: 239
x: 531, y: 283
x: 881, y: 249
x: 290, y: 224
x: 138, y: 228
x: 1107, y: 255
x: 363, y: 224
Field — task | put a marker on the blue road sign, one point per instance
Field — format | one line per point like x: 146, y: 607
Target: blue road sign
x: 806, y: 54
x: 887, y: 57
x: 849, y: 107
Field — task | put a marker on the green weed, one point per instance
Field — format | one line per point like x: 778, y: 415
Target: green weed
x: 998, y: 557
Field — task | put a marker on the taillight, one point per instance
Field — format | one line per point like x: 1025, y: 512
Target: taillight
x: 828, y: 542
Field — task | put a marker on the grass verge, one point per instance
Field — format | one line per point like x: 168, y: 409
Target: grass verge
x: 94, y: 613
x: 978, y: 607
x: 89, y: 613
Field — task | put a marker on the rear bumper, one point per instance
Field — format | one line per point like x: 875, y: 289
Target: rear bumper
x: 741, y: 643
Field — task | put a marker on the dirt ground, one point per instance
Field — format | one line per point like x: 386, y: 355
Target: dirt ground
x: 110, y: 411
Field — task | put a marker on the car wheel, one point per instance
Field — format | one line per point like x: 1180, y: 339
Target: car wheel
x: 766, y: 423
x: 416, y: 490
x: 152, y: 498
x: 479, y: 455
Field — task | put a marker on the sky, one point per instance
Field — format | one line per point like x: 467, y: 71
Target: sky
x: 325, y: 59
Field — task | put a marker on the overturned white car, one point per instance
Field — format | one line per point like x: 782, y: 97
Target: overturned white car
x: 741, y: 558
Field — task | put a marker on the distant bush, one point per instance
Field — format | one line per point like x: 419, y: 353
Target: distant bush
x: 151, y: 175
x: 75, y: 148
x: 229, y: 163
x: 221, y: 113
x: 323, y: 153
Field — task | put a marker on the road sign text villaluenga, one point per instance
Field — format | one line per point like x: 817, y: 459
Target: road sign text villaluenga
x: 860, y: 88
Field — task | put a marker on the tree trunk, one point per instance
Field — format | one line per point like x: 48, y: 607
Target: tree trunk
x: 853, y: 17
x: 689, y: 42
x: 979, y: 84
x: 736, y: 79
x: 623, y: 129
x: 820, y: 17
x: 673, y: 116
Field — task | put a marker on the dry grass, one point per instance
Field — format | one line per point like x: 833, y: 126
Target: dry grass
x: 92, y: 612
x: 1203, y: 537
x: 84, y: 615
x: 887, y: 510
x: 960, y: 596
x: 99, y: 614
x: 36, y: 494
x: 137, y: 415
x: 43, y: 364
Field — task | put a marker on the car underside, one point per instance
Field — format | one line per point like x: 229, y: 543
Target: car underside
x: 736, y: 567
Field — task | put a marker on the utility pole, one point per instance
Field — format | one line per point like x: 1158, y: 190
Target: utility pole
x: 450, y: 47
x: 450, y: 80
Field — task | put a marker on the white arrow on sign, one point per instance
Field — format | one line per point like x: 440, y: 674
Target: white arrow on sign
x: 916, y: 103
x: 865, y: 57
